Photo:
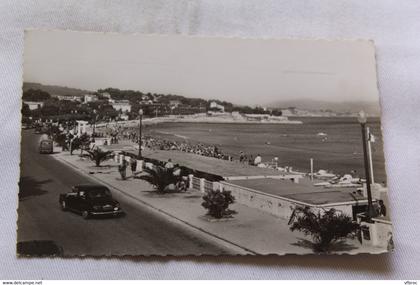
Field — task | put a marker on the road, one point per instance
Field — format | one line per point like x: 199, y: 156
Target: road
x: 140, y: 232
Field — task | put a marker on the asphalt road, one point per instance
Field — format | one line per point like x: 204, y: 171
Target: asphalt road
x: 140, y: 232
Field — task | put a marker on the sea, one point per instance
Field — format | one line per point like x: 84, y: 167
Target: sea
x: 334, y: 143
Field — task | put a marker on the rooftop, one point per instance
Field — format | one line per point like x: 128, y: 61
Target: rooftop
x: 303, y: 191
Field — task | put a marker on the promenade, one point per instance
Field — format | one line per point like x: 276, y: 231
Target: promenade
x: 251, y: 231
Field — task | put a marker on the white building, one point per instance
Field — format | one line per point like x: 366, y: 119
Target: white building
x: 33, y: 105
x: 174, y: 103
x: 214, y: 105
x: 121, y: 105
x: 106, y: 95
x: 68, y: 98
x: 124, y: 117
x: 90, y: 98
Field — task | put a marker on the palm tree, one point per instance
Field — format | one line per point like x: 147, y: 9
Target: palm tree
x: 97, y: 155
x: 160, y: 178
x: 325, y: 228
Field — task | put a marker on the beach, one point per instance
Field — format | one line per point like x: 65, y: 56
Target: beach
x: 334, y: 143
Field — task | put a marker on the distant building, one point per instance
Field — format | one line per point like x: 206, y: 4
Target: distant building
x: 174, y: 103
x: 188, y: 110
x: 68, y: 98
x: 214, y: 105
x: 33, y: 105
x: 146, y: 102
x: 106, y: 95
x: 121, y: 105
x: 90, y: 98
x: 124, y: 117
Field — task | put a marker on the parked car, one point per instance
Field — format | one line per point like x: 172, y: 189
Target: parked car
x: 46, y: 146
x: 90, y: 200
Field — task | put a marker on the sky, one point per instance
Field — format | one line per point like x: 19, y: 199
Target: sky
x: 242, y: 71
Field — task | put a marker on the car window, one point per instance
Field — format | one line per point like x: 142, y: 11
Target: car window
x: 99, y: 193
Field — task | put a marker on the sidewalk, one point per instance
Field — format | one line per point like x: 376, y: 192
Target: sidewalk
x: 252, y: 230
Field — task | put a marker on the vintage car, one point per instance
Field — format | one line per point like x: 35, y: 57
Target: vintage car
x: 90, y: 200
x: 46, y: 146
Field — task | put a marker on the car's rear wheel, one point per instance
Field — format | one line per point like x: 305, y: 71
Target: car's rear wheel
x: 63, y: 206
x: 85, y: 215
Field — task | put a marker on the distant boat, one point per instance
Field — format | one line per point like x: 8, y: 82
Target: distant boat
x: 321, y: 134
x: 323, y: 174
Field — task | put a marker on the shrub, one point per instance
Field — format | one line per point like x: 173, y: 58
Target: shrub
x: 160, y: 177
x: 217, y: 203
x: 97, y: 155
x: 81, y: 143
x: 324, y: 228
x: 61, y: 140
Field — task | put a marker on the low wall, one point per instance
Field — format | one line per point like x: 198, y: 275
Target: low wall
x: 268, y: 203
x: 276, y: 205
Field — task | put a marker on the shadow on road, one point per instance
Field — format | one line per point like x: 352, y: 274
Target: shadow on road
x: 29, y: 186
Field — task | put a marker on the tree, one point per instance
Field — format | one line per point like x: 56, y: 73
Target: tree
x: 35, y: 95
x: 97, y: 155
x: 25, y: 110
x: 217, y: 203
x: 325, y: 228
x: 79, y: 143
x: 161, y: 178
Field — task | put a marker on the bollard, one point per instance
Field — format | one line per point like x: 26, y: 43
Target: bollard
x: 190, y: 181
x: 202, y: 185
x: 139, y: 167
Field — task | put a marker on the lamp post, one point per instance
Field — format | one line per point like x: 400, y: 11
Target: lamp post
x: 94, y: 122
x: 140, y: 125
x: 362, y: 120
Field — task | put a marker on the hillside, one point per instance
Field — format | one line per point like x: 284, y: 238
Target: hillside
x: 55, y: 90
x: 371, y: 108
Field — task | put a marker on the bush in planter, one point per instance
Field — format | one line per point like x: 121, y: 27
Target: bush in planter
x: 97, y: 155
x: 161, y: 178
x: 217, y: 203
x: 324, y: 228
x: 81, y: 143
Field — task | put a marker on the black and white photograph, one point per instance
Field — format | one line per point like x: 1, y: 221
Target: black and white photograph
x: 145, y: 145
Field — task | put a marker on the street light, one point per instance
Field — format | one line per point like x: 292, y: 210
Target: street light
x: 94, y: 122
x: 140, y: 125
x: 362, y: 120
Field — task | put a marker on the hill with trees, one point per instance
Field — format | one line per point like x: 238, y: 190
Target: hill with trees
x: 55, y: 90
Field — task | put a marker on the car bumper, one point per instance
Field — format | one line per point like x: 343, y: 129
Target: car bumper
x: 107, y: 213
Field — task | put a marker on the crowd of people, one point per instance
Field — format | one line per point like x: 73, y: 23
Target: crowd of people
x: 154, y: 142
x: 199, y: 148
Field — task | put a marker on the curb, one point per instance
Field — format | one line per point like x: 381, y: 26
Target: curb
x: 227, y: 243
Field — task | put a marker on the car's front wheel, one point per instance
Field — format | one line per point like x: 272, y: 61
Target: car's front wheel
x: 85, y: 215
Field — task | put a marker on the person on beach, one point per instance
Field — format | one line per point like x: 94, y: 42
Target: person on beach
x: 241, y: 156
x: 257, y: 160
